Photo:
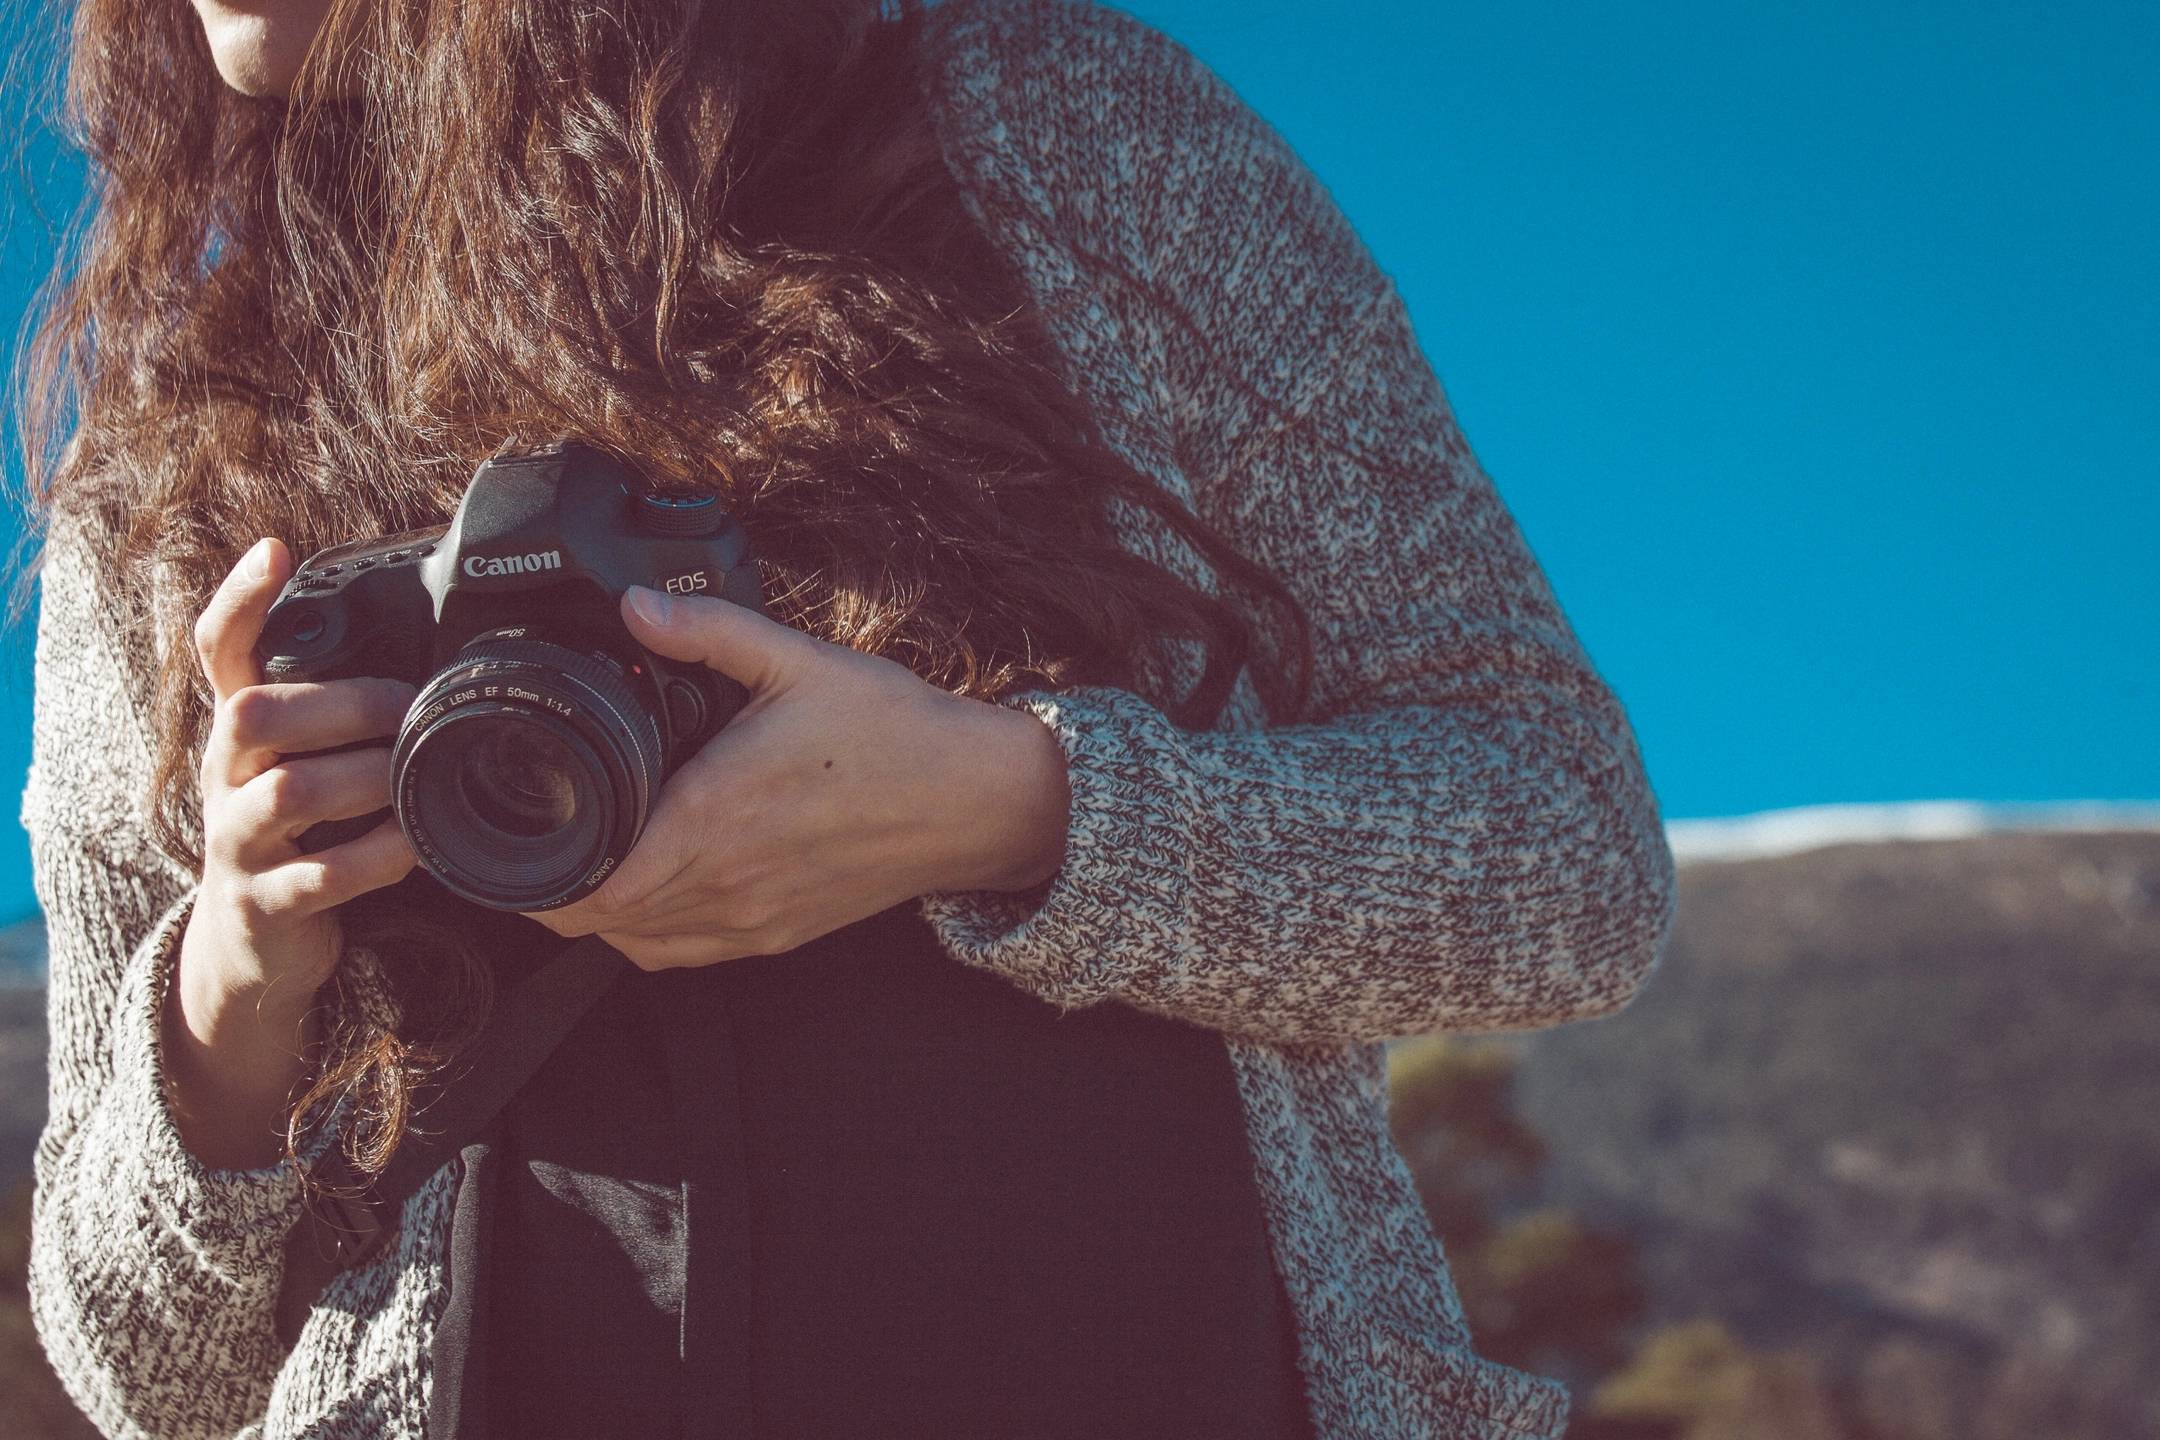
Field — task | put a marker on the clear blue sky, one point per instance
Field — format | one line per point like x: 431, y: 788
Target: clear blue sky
x: 1817, y: 350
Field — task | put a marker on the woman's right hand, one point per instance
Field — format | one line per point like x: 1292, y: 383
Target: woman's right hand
x: 263, y: 933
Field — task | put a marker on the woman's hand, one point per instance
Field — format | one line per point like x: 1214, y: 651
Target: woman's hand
x: 262, y: 935
x: 845, y: 786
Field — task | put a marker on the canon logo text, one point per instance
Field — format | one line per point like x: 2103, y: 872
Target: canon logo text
x: 479, y: 565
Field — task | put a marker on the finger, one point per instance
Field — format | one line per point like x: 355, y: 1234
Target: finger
x: 225, y: 632
x: 259, y: 724
x: 621, y: 901
x: 654, y: 875
x: 683, y: 903
x: 673, y: 952
x: 563, y: 920
x: 266, y: 816
x: 314, y: 883
x: 733, y: 639
x: 659, y: 877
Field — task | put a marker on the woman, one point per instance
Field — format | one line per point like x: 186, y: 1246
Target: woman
x: 1063, y: 406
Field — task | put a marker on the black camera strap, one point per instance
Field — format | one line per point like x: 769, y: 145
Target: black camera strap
x: 349, y: 1218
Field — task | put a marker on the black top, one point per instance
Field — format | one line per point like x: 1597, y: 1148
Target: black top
x: 909, y: 1199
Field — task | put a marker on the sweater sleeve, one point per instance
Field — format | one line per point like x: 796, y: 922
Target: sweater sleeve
x: 1458, y: 834
x: 153, y: 1279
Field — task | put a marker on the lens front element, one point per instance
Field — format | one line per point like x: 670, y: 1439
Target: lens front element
x: 525, y: 772
x: 519, y: 782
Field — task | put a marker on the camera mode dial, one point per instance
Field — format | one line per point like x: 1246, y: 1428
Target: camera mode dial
x: 680, y: 514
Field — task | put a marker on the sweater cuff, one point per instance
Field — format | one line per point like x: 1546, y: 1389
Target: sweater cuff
x: 231, y: 1222
x: 1123, y: 890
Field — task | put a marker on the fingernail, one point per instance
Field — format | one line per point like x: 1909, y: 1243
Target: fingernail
x: 652, y: 606
x: 258, y: 560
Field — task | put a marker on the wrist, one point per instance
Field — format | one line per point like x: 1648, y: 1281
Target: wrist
x: 230, y: 1071
x: 1037, y: 805
x: 224, y: 1007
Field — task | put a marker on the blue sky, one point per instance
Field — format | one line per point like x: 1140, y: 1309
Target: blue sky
x: 1816, y: 349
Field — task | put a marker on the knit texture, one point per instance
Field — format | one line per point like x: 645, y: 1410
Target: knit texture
x: 1459, y: 835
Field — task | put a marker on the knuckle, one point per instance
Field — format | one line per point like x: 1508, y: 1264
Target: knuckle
x: 765, y: 940
x: 207, y: 632
x: 221, y: 840
x: 308, y: 887
x: 274, y: 900
x: 287, y: 789
x: 259, y: 897
x: 250, y: 715
x: 756, y: 915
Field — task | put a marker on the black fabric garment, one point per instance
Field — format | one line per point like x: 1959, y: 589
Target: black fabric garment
x: 917, y: 1202
x: 588, y: 1242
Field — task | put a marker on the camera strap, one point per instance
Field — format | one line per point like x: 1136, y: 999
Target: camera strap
x: 349, y: 1217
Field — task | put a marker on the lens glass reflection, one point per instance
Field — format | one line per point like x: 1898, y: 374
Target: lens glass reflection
x: 518, y: 780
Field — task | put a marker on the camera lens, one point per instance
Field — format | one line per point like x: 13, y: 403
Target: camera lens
x: 526, y: 772
x: 519, y: 782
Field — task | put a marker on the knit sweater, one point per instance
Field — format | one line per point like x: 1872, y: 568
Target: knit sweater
x: 1458, y: 837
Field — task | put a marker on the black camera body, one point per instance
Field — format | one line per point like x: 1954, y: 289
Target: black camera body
x: 528, y: 763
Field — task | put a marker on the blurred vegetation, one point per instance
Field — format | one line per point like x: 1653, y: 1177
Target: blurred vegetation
x: 1701, y: 1384
x: 1545, y: 1291
x: 1550, y: 1293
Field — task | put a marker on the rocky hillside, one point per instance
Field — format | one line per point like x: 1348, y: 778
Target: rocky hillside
x: 1896, y: 1105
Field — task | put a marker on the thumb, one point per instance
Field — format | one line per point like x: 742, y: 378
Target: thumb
x: 732, y: 639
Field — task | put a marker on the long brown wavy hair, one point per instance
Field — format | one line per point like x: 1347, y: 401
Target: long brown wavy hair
x: 716, y: 237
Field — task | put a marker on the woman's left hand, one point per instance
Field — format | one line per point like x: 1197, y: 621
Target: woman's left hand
x: 846, y: 785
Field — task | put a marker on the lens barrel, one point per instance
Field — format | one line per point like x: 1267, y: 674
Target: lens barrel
x: 525, y: 772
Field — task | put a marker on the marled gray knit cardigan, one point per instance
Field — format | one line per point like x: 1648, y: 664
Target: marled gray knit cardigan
x: 1465, y: 841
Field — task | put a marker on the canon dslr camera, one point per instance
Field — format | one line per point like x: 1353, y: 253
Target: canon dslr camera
x: 529, y: 761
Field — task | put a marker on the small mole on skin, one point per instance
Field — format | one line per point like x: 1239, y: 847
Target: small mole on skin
x: 828, y: 764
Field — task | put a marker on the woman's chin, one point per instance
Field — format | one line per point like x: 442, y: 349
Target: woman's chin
x: 259, y: 52
x: 249, y: 76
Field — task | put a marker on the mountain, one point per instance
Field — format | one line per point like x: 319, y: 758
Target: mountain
x: 1810, y: 827
x: 1896, y: 1104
